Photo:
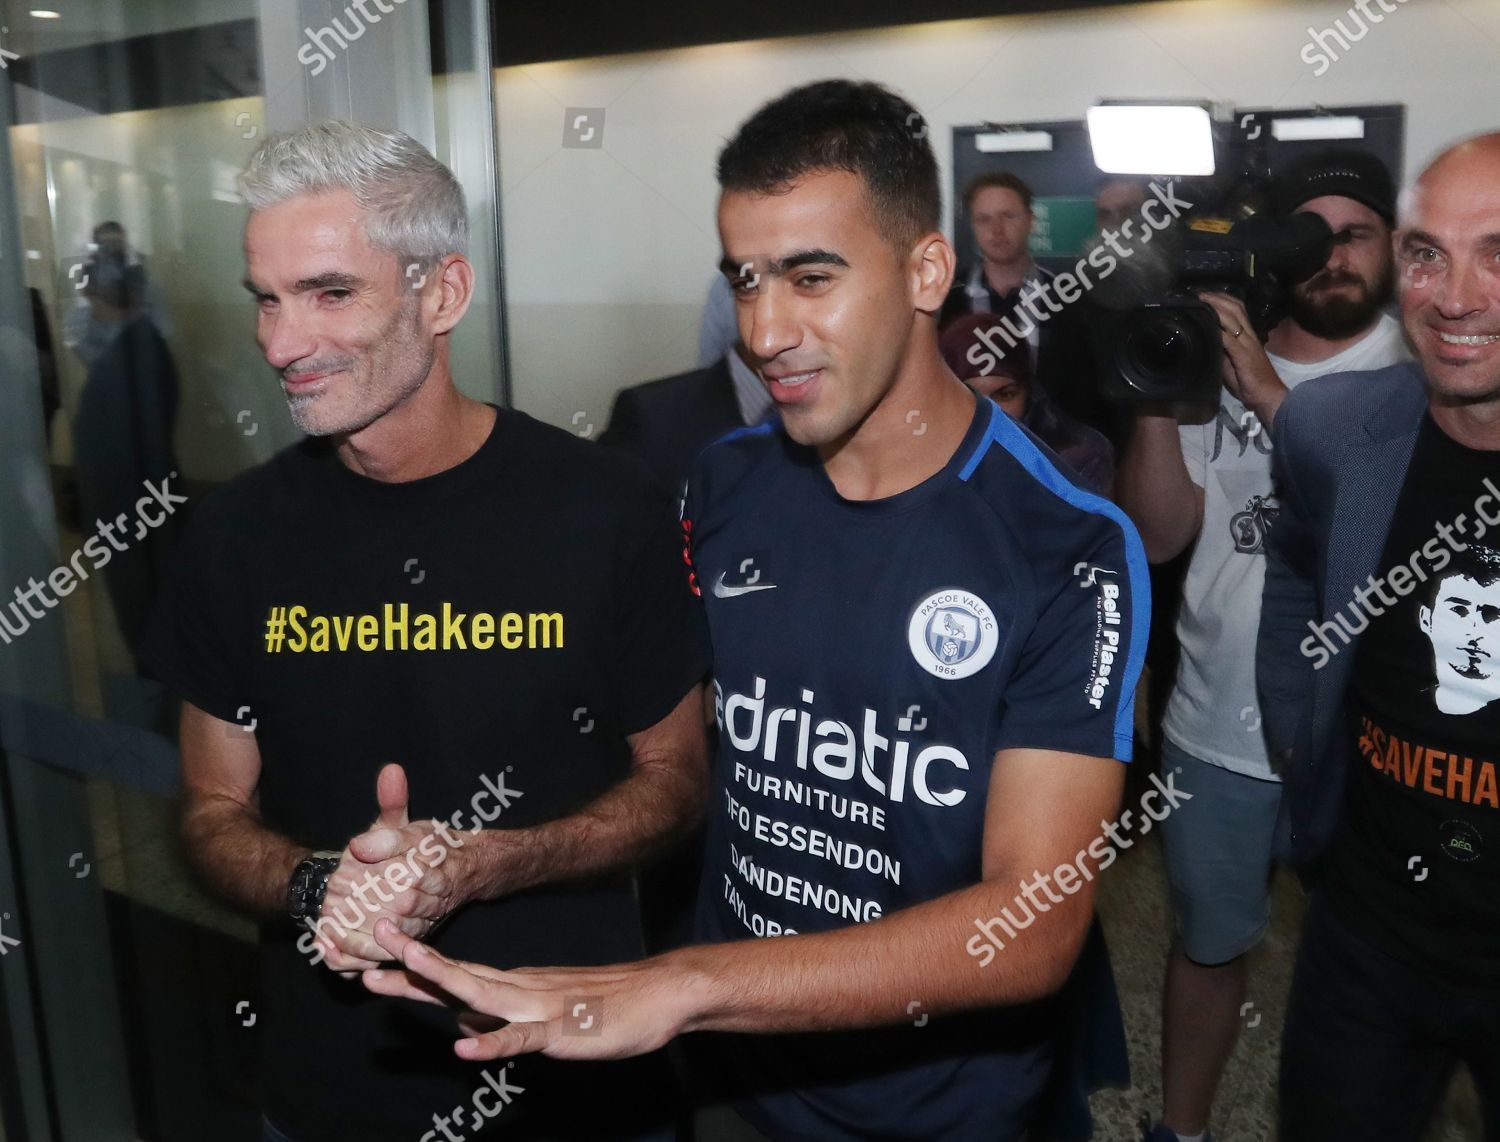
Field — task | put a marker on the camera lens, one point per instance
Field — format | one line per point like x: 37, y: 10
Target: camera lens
x: 1162, y: 347
x: 1163, y: 353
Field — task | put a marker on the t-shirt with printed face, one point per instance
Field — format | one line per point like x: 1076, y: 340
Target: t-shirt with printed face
x: 1415, y: 865
x: 497, y: 629
x: 870, y: 658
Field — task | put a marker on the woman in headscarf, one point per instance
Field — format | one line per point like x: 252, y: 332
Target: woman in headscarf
x: 968, y: 348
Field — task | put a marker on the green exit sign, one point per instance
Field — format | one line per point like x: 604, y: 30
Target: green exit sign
x: 1063, y: 224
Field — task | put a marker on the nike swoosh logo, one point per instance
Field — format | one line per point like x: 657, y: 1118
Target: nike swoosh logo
x: 723, y: 592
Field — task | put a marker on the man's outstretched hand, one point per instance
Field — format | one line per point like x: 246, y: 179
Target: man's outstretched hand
x: 609, y: 1012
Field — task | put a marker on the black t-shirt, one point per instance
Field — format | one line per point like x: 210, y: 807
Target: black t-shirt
x: 1415, y: 865
x: 499, y: 626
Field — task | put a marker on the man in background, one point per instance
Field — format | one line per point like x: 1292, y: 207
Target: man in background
x: 1116, y: 199
x: 1208, y: 487
x: 718, y: 328
x: 666, y: 423
x: 998, y: 205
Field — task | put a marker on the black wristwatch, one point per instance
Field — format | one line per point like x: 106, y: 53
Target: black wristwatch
x: 309, y: 883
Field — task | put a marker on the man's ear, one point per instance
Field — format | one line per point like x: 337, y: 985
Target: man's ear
x: 932, y: 268
x: 454, y: 291
x: 1424, y: 619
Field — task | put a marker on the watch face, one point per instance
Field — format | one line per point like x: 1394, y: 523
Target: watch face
x: 297, y: 891
x: 309, y: 881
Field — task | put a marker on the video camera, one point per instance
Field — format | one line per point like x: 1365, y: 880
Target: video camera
x: 1170, y: 348
x: 1158, y: 340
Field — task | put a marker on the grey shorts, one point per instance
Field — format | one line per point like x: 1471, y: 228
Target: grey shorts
x: 1219, y: 850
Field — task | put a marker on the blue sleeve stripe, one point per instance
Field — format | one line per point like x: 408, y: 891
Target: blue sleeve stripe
x: 731, y: 434
x: 736, y: 433
x: 1003, y: 431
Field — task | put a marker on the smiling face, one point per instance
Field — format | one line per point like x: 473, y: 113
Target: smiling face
x: 1448, y: 254
x: 1001, y: 224
x: 1463, y: 624
x: 826, y: 302
x: 337, y: 319
x: 1346, y: 296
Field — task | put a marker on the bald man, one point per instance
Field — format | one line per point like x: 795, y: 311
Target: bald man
x: 1379, y: 615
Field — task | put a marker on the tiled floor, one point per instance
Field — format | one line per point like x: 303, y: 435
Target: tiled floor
x: 1133, y: 904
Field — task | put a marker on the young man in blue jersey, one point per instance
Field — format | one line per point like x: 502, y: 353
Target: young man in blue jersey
x: 926, y: 646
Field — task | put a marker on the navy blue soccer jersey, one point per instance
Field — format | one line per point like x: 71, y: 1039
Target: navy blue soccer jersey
x: 870, y: 659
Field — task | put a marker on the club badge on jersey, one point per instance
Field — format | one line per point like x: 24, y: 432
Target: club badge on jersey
x: 953, y: 633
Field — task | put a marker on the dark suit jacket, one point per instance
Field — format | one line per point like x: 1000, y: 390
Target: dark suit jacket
x: 1341, y: 447
x: 666, y: 423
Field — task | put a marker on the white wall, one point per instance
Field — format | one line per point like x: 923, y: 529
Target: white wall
x: 609, y: 251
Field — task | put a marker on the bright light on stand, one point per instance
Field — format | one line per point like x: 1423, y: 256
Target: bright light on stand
x: 1152, y: 139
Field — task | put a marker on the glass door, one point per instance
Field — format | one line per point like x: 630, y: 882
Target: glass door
x: 129, y: 377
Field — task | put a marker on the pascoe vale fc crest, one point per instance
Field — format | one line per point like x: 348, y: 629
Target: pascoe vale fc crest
x: 952, y: 633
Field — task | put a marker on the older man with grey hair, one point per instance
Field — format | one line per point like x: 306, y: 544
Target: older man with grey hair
x: 440, y: 664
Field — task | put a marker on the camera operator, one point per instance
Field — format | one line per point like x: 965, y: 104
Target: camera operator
x: 1209, y: 485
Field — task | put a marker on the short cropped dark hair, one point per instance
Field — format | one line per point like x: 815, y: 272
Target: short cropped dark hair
x: 1003, y: 179
x: 1481, y: 564
x: 840, y: 125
